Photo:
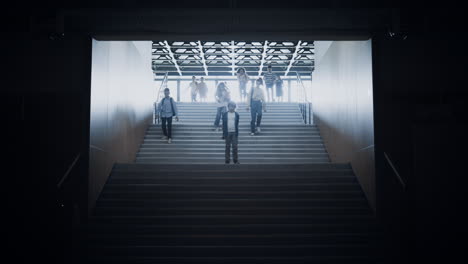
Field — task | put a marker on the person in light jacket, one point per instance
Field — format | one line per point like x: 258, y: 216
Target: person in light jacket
x: 256, y: 103
x: 222, y: 97
x: 231, y: 132
x: 243, y: 79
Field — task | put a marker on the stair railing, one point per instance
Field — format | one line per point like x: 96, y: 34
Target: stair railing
x: 67, y: 198
x: 395, y: 171
x: 304, y: 104
x: 158, y: 97
x: 67, y: 173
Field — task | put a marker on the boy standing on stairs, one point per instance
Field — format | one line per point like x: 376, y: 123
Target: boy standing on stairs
x: 231, y: 132
x: 167, y: 108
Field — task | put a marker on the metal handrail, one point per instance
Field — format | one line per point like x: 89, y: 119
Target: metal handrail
x: 158, y: 94
x: 305, y: 105
x: 70, y: 168
x: 402, y: 182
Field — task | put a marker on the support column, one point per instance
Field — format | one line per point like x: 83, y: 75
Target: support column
x: 178, y: 90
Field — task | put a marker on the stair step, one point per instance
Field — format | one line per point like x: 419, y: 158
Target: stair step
x: 172, y: 229
x: 228, y: 194
x: 246, y: 140
x: 231, y: 202
x: 338, y: 210
x: 289, y: 177
x: 237, y: 239
x: 250, y: 161
x: 259, y: 167
x: 195, y: 151
x: 244, y: 135
x: 242, y: 127
x: 220, y: 145
x: 354, y: 249
x: 332, y: 259
x: 218, y: 155
x: 135, y: 187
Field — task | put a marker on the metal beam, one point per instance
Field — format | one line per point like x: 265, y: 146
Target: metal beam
x: 203, y: 57
x: 293, y: 58
x: 168, y: 47
x: 265, y: 46
x: 233, y: 62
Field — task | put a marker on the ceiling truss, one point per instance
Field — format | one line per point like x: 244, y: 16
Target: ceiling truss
x: 225, y: 57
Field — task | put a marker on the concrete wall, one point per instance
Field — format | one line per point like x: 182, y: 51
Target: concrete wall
x: 122, y: 93
x: 343, y: 106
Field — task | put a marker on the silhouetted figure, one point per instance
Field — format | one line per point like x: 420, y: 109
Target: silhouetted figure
x: 231, y: 132
x: 256, y: 103
x: 269, y: 78
x: 167, y: 109
x: 222, y: 97
x: 193, y: 89
x: 243, y: 79
x: 202, y: 89
x: 279, y: 88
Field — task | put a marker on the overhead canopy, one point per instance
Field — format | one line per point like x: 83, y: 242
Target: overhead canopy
x: 223, y: 58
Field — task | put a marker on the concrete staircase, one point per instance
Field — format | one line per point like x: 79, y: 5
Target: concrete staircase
x: 151, y: 213
x: 291, y: 205
x: 284, y: 138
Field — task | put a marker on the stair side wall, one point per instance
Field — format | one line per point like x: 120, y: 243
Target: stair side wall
x: 122, y: 91
x: 342, y: 99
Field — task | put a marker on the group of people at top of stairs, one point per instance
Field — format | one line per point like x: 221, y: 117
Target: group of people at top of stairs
x: 226, y: 108
x: 271, y: 80
x: 199, y: 88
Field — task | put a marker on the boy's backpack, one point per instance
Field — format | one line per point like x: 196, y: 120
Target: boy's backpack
x: 172, y: 105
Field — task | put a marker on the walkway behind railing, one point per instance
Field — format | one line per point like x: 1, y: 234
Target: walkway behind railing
x: 304, y: 104
x: 158, y: 97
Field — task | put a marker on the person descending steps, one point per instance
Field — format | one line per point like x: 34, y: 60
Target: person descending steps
x: 167, y: 109
x: 222, y: 98
x: 231, y: 132
x: 256, y: 104
x: 285, y: 139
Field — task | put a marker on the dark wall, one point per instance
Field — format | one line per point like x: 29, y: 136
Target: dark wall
x: 418, y: 96
x: 46, y: 100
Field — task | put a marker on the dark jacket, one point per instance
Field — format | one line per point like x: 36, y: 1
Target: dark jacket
x: 225, y: 121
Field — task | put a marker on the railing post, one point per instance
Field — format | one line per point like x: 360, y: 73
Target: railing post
x: 154, y: 112
x: 305, y: 113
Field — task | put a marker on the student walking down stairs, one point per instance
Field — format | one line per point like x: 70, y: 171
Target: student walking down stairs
x: 167, y: 109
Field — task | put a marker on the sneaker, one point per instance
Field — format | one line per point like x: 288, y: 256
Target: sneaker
x: 252, y: 134
x: 236, y: 162
x: 226, y: 162
x: 169, y: 141
x: 164, y: 138
x: 259, y: 130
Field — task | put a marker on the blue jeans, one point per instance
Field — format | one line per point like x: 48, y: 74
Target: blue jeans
x: 167, y: 130
x: 256, y: 114
x: 219, y: 113
x: 231, y: 140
